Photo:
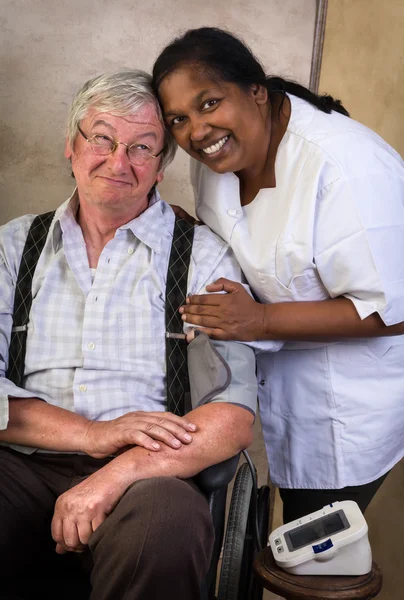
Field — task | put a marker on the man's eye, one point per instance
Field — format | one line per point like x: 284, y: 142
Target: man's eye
x: 102, y: 140
x: 141, y: 147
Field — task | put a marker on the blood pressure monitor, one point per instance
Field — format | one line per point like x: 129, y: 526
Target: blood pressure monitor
x: 330, y: 541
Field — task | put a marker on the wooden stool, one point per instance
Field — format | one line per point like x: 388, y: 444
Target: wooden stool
x: 315, y: 587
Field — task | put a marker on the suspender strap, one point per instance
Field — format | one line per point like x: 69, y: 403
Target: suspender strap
x: 178, y: 399
x: 23, y: 295
x: 178, y: 396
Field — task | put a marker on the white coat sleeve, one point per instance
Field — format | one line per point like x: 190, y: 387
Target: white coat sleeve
x: 359, y: 240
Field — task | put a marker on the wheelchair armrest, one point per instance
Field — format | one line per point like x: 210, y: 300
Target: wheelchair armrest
x: 219, y: 475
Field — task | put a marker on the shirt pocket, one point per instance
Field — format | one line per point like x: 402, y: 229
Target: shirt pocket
x: 304, y: 286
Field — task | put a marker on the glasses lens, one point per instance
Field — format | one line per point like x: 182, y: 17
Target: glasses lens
x: 101, y: 144
x: 139, y: 155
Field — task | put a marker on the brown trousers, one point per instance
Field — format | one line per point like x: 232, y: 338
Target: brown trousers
x: 155, y: 545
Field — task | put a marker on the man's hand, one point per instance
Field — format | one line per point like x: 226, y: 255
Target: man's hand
x: 231, y: 316
x: 105, y: 438
x: 223, y: 430
x: 80, y: 510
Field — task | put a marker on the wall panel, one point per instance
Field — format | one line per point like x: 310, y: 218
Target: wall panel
x: 48, y: 49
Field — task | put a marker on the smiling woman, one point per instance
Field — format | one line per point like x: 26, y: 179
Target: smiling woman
x: 311, y: 203
x: 216, y: 122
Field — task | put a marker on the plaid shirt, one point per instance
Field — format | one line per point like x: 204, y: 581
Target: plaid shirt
x: 98, y: 347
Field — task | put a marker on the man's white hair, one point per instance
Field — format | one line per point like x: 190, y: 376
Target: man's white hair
x: 121, y: 93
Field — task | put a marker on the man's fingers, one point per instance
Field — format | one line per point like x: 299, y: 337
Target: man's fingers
x: 96, y: 522
x: 57, y: 530
x: 67, y: 537
x: 165, y: 427
x: 183, y: 422
x: 85, y: 530
x: 60, y: 549
x: 141, y: 429
x: 158, y: 434
x: 71, y: 538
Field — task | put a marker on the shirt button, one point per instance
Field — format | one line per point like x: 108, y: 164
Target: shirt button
x: 91, y: 346
x: 234, y: 212
x: 82, y: 387
x: 130, y: 250
x: 262, y: 382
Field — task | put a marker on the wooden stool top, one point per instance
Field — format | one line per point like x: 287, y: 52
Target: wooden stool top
x: 315, y: 587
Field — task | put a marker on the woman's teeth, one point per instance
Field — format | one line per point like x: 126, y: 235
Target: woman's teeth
x: 216, y: 147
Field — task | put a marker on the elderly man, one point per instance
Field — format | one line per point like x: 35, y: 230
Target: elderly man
x: 90, y: 457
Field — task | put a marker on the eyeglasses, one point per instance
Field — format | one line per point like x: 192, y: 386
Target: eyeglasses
x: 138, y: 154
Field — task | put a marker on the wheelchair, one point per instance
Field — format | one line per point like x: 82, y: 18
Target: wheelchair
x: 245, y: 533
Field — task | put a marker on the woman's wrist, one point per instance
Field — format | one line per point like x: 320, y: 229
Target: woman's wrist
x: 268, y: 322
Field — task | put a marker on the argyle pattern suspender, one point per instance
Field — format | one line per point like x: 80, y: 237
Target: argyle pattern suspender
x: 176, y: 289
x: 23, y: 295
x: 178, y: 395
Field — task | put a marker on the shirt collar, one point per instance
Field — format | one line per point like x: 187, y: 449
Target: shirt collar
x: 302, y: 114
x: 147, y: 227
x: 64, y: 215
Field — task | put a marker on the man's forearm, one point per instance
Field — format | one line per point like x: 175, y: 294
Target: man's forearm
x: 223, y: 431
x: 35, y: 423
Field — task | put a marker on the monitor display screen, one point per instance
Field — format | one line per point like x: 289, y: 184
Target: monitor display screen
x: 316, y: 530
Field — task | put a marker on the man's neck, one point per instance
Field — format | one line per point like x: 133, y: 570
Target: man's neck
x: 99, y: 227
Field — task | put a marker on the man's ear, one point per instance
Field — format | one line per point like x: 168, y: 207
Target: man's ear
x: 260, y: 93
x: 159, y: 177
x: 68, y: 149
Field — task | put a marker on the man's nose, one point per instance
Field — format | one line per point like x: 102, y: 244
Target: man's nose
x: 118, y: 159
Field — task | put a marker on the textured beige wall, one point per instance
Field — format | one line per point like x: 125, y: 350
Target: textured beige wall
x: 363, y: 65
x: 48, y: 49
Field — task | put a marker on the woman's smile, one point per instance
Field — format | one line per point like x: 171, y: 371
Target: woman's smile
x: 213, y: 149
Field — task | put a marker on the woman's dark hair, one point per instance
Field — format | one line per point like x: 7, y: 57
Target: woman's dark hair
x: 225, y: 56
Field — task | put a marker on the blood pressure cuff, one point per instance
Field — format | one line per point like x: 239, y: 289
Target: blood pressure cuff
x: 221, y: 372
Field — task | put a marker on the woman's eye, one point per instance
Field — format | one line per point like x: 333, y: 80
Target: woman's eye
x: 209, y: 104
x: 177, y: 120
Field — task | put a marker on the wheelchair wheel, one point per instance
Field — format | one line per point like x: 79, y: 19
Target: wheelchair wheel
x: 257, y: 590
x: 263, y: 515
x: 234, y: 544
